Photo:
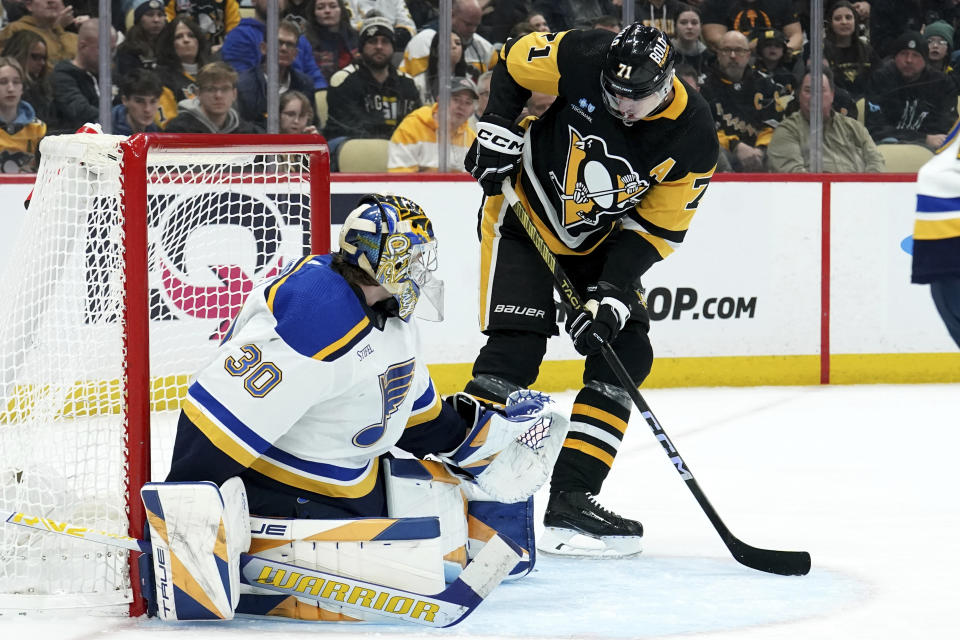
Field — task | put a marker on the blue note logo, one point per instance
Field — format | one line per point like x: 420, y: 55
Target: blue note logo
x: 395, y: 383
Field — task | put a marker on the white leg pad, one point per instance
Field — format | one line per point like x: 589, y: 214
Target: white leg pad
x: 403, y: 553
x: 419, y: 488
x: 198, y: 532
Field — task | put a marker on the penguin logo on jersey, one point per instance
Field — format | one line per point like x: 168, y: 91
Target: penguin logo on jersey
x: 595, y: 182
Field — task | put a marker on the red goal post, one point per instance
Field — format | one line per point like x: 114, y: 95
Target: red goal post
x: 134, y: 256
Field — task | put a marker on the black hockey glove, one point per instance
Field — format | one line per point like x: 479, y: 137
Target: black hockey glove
x: 495, y: 154
x: 597, y: 323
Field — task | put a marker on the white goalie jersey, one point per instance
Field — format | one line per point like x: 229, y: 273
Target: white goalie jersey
x: 306, y: 391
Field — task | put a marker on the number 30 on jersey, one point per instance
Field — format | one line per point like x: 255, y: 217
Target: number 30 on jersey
x: 259, y: 378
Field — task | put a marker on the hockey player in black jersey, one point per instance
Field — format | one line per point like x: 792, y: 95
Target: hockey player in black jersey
x: 612, y: 175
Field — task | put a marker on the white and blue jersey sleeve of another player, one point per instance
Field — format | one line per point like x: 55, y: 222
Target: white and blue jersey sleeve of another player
x: 309, y: 389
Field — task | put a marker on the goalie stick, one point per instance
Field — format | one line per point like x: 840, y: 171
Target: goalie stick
x: 373, y: 601
x: 787, y: 563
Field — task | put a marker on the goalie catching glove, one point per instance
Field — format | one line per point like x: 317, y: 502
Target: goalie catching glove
x: 496, y: 153
x: 510, y: 454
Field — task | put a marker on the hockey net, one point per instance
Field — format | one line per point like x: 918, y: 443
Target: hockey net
x: 134, y: 256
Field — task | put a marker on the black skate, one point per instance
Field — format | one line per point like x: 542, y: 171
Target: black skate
x: 576, y: 525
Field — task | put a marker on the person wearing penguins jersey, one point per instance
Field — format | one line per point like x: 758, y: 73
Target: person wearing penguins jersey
x: 612, y: 175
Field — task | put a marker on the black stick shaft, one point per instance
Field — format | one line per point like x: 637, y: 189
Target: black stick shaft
x: 771, y: 561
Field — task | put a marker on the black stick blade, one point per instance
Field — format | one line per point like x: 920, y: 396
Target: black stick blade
x: 784, y: 563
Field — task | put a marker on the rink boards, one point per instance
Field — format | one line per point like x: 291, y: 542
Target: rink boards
x: 780, y: 280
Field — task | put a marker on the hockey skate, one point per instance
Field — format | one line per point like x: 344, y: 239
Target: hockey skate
x: 576, y: 525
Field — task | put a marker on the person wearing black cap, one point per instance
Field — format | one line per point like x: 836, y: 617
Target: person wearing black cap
x: 774, y: 60
x: 906, y: 101
x: 369, y: 98
x: 138, y: 49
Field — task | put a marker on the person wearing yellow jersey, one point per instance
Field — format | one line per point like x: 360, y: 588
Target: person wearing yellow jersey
x: 20, y: 130
x: 611, y: 174
x: 413, y: 145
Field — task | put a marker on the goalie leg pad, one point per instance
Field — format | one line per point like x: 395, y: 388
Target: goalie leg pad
x: 198, y: 532
x: 422, y: 488
x: 486, y: 518
x: 403, y: 553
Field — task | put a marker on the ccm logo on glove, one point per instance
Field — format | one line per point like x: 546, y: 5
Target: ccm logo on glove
x: 509, y: 143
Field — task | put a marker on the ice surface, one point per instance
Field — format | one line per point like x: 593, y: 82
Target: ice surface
x: 859, y: 476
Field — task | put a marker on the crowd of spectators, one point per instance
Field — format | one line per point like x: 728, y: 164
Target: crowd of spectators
x: 369, y: 69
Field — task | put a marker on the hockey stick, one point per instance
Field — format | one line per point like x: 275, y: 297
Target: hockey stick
x: 787, y: 563
x: 369, y: 599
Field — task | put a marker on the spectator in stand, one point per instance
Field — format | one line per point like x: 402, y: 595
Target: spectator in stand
x: 477, y: 50
x: 20, y: 130
x: 216, y: 18
x: 906, y: 101
x: 369, y: 98
x: 774, y: 61
x: 744, y: 104
x: 750, y: 17
x: 572, y: 14
x: 138, y: 50
x: 76, y: 92
x: 483, y: 91
x: 140, y: 92
x: 689, y: 75
x: 329, y: 32
x: 689, y: 45
x: 661, y: 14
x: 847, y: 146
x: 609, y: 23
x: 424, y: 13
x: 891, y: 18
x: 30, y: 50
x: 499, y: 17
x: 212, y: 110
x: 296, y: 113
x: 297, y: 11
x: 428, y: 83
x: 851, y: 59
x: 182, y: 50
x: 517, y: 31
x: 538, y: 23
x: 241, y: 47
x: 939, y: 37
x: 49, y: 18
x: 413, y: 146
x: 395, y: 11
x: 252, y: 83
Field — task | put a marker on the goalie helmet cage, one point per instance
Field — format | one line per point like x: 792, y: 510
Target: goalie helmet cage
x: 134, y: 256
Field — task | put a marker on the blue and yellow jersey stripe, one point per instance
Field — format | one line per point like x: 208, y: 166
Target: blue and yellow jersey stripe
x: 425, y: 408
x: 229, y: 434
x: 317, y: 312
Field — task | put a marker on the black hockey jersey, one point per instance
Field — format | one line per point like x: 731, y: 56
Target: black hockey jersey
x: 747, y: 111
x: 588, y: 175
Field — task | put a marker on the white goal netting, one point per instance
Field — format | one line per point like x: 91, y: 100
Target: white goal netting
x: 72, y: 332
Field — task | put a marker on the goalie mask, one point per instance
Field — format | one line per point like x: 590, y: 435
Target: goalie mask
x: 391, y: 238
x: 637, y: 73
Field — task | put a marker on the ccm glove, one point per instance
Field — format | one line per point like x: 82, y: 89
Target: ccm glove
x: 598, y: 323
x: 495, y: 154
